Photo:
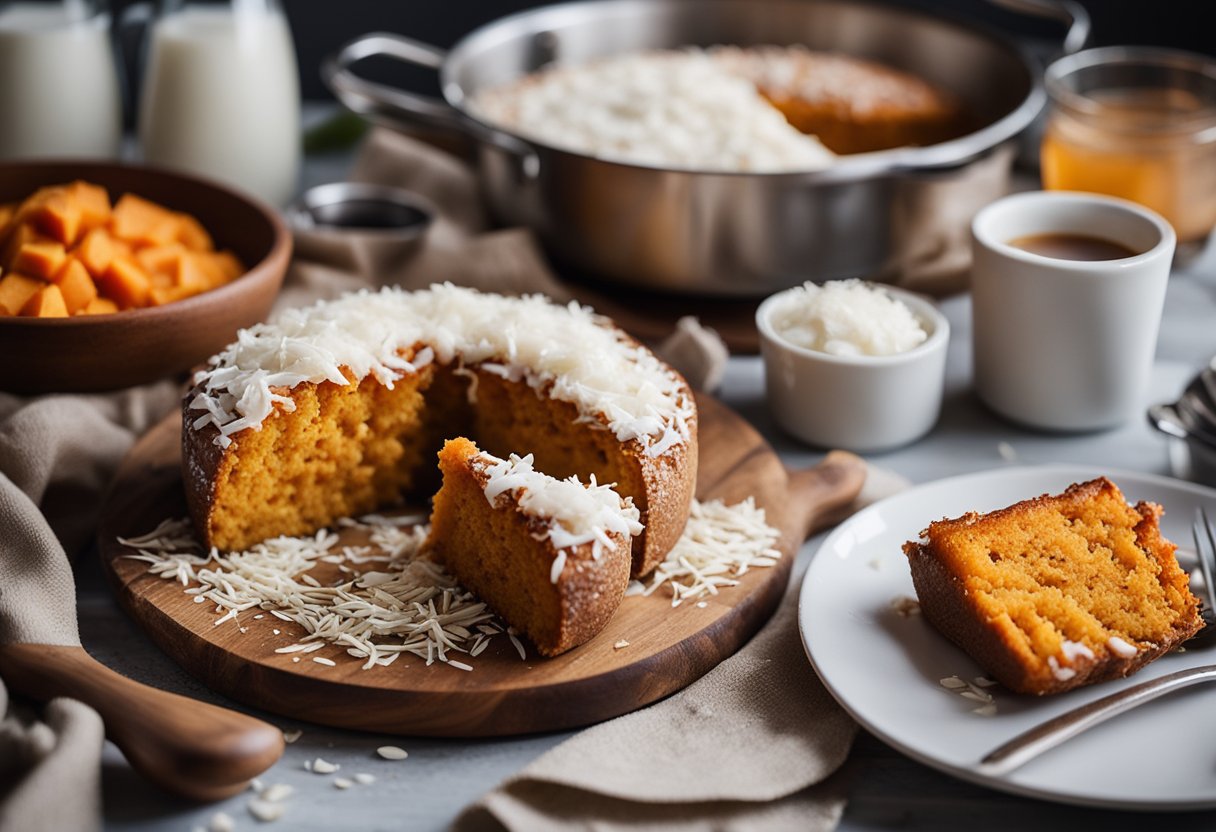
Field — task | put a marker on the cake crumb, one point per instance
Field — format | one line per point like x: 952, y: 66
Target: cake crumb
x: 905, y: 606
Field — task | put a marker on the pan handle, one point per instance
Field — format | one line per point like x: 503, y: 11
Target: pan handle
x: 1069, y: 12
x: 399, y: 108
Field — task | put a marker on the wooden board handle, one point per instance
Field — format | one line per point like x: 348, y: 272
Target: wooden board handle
x: 817, y: 495
x: 190, y: 748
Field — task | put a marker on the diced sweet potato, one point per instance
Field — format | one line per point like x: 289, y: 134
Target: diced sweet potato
x: 58, y: 217
x: 47, y: 302
x: 160, y: 295
x: 125, y: 283
x: 15, y: 290
x: 192, y: 235
x: 76, y: 284
x: 142, y: 222
x: 163, y: 259
x: 96, y: 251
x: 230, y: 266
x: 198, y: 272
x: 94, y: 204
x: 99, y: 306
x: 40, y: 259
x: 21, y: 234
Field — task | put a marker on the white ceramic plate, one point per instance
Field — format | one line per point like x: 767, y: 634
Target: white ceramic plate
x: 885, y: 668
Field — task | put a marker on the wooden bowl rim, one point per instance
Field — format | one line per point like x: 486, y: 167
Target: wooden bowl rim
x: 273, y: 263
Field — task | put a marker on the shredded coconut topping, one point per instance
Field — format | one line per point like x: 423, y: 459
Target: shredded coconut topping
x: 719, y: 545
x: 568, y: 351
x: 576, y: 514
x: 667, y: 108
x: 1121, y: 648
x: 1071, y: 650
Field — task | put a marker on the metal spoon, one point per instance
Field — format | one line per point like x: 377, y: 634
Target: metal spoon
x: 1030, y: 744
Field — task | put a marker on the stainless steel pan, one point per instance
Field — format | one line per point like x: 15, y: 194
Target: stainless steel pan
x: 698, y: 232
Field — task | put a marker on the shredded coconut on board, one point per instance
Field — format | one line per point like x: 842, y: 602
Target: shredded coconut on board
x: 415, y: 606
x: 718, y: 546
x: 568, y: 351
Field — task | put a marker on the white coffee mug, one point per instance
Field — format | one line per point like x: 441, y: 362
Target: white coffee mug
x: 1067, y: 344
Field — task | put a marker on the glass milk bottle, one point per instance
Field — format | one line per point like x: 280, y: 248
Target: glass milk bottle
x: 59, y: 93
x: 221, y: 96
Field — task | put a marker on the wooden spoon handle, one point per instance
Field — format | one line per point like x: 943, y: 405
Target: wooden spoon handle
x: 190, y: 748
x: 817, y: 494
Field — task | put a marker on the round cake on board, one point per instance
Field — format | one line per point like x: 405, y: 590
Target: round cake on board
x: 340, y: 408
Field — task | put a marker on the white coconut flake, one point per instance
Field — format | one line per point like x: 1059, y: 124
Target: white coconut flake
x: 1121, y: 648
x: 320, y: 766
x: 720, y: 544
x: 221, y: 822
x: 567, y: 351
x: 364, y: 779
x: 1062, y: 674
x: 343, y: 783
x: 412, y: 606
x: 392, y: 752
x: 620, y: 645
x: 972, y: 691
x: 276, y: 792
x: 324, y: 661
x: 1072, y: 650
x: 265, y: 811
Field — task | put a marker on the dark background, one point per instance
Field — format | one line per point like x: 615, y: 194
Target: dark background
x: 320, y: 26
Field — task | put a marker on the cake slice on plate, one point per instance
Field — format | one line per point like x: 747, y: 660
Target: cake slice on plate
x: 1057, y: 591
x: 552, y: 557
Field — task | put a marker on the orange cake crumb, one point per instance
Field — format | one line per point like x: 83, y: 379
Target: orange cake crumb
x: 1058, y: 591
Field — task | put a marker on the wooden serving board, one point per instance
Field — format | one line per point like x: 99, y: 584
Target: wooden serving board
x: 668, y: 647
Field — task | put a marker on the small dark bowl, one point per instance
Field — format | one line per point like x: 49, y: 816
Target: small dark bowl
x: 108, y: 352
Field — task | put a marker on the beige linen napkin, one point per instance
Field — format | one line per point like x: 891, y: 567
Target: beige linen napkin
x: 56, y: 456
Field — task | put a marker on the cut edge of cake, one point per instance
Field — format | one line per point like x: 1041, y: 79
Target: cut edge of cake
x: 551, y: 557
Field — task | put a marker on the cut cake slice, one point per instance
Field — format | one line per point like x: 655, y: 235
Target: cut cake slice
x: 1057, y: 591
x: 552, y: 557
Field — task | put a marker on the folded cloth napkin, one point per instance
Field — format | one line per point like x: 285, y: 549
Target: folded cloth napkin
x: 57, y: 454
x: 777, y: 735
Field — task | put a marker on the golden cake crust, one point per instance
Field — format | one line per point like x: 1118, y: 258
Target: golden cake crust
x: 956, y: 597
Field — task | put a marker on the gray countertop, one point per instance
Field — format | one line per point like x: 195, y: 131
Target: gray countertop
x: 888, y: 790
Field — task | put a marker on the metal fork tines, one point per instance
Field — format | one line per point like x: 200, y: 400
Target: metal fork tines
x: 1205, y: 548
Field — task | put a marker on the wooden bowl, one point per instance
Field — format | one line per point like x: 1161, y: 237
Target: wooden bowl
x: 107, y: 352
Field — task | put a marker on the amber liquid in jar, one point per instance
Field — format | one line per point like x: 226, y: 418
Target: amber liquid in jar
x: 1114, y: 149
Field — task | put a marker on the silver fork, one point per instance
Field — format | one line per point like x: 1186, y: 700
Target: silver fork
x: 1030, y: 744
